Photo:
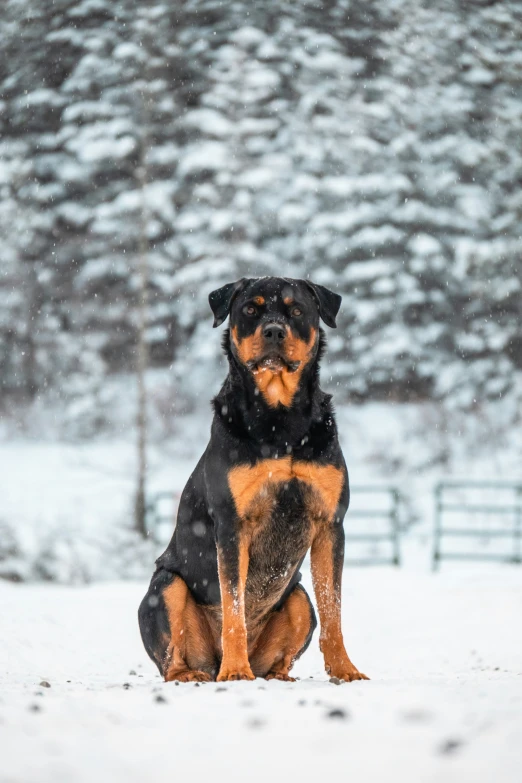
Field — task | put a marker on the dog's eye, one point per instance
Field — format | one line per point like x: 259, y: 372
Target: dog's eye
x: 249, y: 310
x: 296, y: 311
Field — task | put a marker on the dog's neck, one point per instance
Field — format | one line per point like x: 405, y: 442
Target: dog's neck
x: 244, y: 410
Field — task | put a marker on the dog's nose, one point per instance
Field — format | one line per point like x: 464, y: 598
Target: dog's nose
x: 274, y: 333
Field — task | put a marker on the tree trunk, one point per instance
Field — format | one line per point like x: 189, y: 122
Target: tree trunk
x: 140, y: 509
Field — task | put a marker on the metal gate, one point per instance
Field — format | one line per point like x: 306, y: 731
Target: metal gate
x: 487, y: 512
x: 378, y: 508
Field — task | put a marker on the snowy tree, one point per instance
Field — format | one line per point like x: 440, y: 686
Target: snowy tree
x: 373, y: 147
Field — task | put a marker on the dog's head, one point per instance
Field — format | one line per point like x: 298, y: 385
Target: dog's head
x: 274, y: 329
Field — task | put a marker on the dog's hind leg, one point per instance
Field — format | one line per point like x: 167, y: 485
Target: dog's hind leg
x: 285, y: 637
x: 153, y: 619
x: 176, y: 633
x: 191, y: 655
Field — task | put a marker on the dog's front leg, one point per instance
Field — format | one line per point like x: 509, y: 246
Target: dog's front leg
x: 327, y: 555
x: 232, y: 547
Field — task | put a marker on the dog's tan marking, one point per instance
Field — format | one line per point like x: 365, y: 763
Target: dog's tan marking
x: 326, y: 481
x: 249, y: 348
x: 278, y: 385
x: 191, y: 654
x: 252, y: 488
x: 274, y: 380
x: 336, y: 660
x: 259, y: 300
x: 250, y: 483
x: 282, y: 638
x: 234, y: 664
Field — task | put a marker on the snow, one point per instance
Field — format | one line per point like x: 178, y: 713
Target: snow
x: 359, y: 271
x: 373, y: 184
x: 101, y: 149
x: 443, y: 703
x: 129, y: 50
x: 256, y: 178
x: 479, y: 76
x: 210, y: 155
x: 424, y: 245
x: 208, y: 121
x: 248, y: 36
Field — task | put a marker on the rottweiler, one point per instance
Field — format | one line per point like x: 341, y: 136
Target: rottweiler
x: 225, y: 601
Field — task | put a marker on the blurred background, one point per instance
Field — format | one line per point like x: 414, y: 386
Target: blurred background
x: 151, y: 152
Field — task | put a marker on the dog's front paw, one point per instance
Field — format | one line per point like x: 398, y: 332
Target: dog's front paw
x: 228, y: 674
x: 348, y: 673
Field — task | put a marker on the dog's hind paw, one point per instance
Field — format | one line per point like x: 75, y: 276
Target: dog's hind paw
x: 188, y: 675
x: 279, y: 676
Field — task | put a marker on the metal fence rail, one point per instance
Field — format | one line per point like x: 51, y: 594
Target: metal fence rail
x: 389, y: 515
x: 509, y: 511
x: 161, y: 508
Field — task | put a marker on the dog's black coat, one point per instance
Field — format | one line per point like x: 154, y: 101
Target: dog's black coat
x: 246, y: 430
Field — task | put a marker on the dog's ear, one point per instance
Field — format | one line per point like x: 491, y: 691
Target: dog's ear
x: 221, y: 300
x: 327, y: 301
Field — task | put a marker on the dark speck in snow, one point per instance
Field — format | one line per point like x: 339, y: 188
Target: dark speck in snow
x: 450, y: 746
x: 220, y: 690
x: 126, y: 685
x: 45, y: 684
x: 416, y: 716
x: 255, y: 723
x: 301, y: 702
x: 132, y: 672
x: 35, y: 708
x: 337, y: 714
x: 159, y: 699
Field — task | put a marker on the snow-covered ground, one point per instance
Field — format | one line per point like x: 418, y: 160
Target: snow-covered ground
x: 443, y: 650
x: 444, y: 702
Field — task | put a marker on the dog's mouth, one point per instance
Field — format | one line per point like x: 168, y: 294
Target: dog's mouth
x: 273, y: 362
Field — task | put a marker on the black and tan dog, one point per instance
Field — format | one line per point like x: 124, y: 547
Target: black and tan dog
x: 225, y: 601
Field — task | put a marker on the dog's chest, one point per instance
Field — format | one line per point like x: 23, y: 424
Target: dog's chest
x: 280, y: 503
x: 273, y: 488
x: 279, y: 530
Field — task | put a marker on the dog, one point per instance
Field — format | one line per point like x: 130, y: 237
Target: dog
x: 225, y: 601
